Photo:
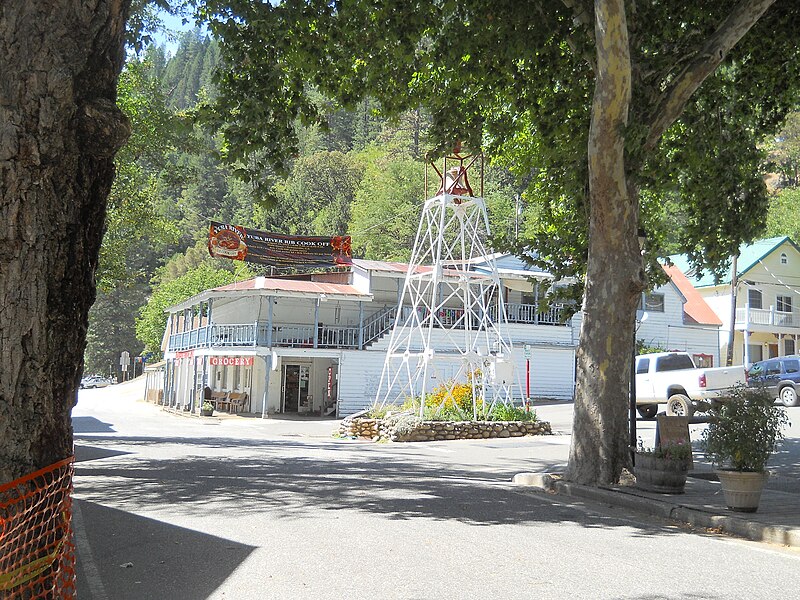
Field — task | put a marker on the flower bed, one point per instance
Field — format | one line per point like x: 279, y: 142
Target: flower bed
x: 409, y: 428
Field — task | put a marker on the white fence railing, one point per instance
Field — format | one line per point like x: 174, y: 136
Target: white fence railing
x: 769, y: 317
x: 299, y: 335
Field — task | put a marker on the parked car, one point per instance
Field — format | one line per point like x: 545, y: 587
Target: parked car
x: 781, y: 377
x: 672, y: 378
x: 94, y: 381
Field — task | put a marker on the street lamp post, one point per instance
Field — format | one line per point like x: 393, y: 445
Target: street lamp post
x: 632, y: 416
x: 640, y: 316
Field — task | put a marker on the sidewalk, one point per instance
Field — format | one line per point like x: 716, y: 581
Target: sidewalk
x: 702, y: 505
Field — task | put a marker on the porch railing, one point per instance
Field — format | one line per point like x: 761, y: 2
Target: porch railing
x: 302, y: 336
x: 378, y: 324
x: 298, y: 335
x: 195, y: 338
x: 529, y: 314
x: 767, y: 317
x: 234, y: 335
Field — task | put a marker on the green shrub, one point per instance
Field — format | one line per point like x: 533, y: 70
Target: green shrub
x: 675, y: 450
x: 509, y: 412
x: 438, y: 409
x: 745, y: 429
x: 379, y: 411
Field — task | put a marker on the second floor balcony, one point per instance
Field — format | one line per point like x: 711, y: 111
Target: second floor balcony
x: 766, y: 319
x: 302, y: 335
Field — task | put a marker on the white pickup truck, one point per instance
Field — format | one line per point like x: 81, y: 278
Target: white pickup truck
x: 672, y: 378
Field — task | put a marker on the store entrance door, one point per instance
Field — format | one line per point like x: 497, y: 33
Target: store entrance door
x: 295, y: 387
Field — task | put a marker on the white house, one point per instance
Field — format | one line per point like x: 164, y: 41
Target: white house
x: 675, y: 317
x: 760, y: 307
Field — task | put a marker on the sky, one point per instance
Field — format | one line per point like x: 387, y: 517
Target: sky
x: 173, y: 23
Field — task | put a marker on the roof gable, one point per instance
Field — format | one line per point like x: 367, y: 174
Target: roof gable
x: 749, y: 256
x: 695, y: 309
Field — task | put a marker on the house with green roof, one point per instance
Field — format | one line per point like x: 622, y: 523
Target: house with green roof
x: 759, y: 305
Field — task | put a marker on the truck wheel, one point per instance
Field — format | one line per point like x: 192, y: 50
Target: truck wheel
x: 648, y: 411
x: 679, y: 405
x: 788, y: 396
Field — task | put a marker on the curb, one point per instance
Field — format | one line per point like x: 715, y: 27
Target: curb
x: 189, y: 415
x: 665, y: 508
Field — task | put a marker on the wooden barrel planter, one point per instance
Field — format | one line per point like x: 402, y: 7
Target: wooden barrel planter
x: 662, y: 475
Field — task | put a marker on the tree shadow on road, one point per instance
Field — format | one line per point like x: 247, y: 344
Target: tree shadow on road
x: 297, y: 480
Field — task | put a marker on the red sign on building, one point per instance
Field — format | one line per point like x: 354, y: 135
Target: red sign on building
x: 231, y: 361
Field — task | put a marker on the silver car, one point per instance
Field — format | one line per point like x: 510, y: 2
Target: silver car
x: 94, y: 381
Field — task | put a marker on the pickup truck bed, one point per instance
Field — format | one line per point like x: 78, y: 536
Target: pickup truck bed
x: 672, y: 378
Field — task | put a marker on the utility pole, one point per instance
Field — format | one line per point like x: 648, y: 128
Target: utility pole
x: 732, y: 332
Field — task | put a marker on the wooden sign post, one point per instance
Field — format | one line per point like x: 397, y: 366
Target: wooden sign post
x: 671, y: 430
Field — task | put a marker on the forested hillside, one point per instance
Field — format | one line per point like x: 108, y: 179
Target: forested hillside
x: 363, y: 176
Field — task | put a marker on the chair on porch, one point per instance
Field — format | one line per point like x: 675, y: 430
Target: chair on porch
x: 220, y: 400
x: 236, y: 402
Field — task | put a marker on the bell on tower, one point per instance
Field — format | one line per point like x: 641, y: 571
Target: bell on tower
x: 456, y: 182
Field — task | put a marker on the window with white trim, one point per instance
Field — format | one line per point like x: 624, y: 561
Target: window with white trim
x: 755, y: 298
x: 703, y: 361
x: 783, y: 304
x: 784, y: 258
x: 654, y: 302
x: 528, y: 298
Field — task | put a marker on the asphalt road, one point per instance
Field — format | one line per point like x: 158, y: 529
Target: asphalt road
x: 181, y: 508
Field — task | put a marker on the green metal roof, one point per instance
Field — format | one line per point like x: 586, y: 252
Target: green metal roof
x: 749, y: 256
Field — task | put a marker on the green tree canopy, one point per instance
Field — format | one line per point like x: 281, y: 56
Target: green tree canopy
x: 387, y: 207
x: 132, y: 204
x: 316, y: 197
x: 783, y: 217
x: 111, y: 328
x: 785, y: 152
x: 152, y: 321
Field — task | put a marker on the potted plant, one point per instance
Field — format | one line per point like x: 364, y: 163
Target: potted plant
x: 744, y: 431
x: 663, y: 469
x: 207, y: 409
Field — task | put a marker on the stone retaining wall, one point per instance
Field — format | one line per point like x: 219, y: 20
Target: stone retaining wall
x: 407, y: 428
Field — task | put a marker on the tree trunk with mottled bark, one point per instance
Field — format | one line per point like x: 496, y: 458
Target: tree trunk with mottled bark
x: 614, y: 274
x: 59, y: 131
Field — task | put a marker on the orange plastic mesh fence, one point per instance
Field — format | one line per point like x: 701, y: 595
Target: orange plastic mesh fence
x: 37, y: 552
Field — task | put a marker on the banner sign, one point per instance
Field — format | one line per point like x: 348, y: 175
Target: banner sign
x: 231, y: 361
x: 277, y: 250
x: 184, y: 354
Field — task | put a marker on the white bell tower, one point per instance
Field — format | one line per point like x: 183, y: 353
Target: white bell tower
x: 451, y: 325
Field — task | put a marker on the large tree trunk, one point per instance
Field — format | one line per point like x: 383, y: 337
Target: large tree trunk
x: 59, y: 131
x: 614, y: 274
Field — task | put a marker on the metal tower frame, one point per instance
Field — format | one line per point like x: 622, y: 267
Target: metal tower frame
x: 448, y: 305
